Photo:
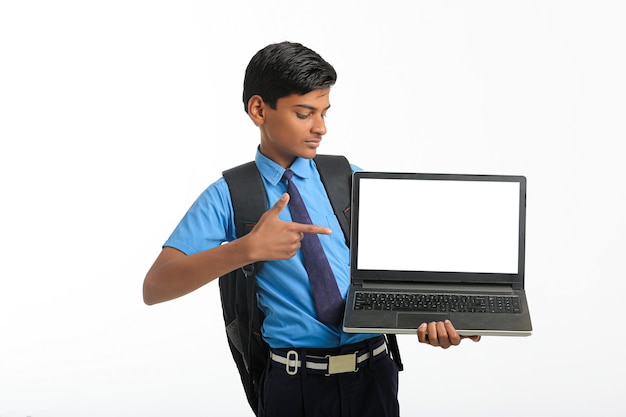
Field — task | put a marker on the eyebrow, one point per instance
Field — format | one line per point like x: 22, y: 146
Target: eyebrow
x: 309, y: 107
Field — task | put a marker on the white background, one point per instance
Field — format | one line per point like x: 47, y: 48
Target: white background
x: 115, y: 115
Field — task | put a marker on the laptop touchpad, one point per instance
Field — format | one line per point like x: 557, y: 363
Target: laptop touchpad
x: 413, y: 320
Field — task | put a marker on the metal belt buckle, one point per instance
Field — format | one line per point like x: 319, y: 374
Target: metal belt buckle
x: 292, y: 356
x: 341, y: 363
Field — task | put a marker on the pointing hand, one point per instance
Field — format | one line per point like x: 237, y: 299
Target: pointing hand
x: 276, y: 239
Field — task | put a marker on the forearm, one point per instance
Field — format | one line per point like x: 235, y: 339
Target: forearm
x: 174, y: 274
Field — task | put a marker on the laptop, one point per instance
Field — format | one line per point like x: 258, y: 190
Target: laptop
x: 430, y: 247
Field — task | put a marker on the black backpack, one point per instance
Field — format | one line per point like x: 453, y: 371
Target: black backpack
x: 242, y: 317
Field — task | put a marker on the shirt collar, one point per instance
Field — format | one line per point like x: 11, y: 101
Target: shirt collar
x: 273, y: 172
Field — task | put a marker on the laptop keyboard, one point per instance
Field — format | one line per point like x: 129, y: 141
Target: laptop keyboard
x: 431, y: 302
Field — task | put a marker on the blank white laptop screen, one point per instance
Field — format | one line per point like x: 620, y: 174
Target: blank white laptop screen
x: 435, y: 225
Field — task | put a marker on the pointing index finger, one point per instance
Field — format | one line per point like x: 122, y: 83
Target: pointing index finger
x: 311, y: 228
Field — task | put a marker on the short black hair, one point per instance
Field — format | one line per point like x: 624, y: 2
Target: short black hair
x: 285, y: 68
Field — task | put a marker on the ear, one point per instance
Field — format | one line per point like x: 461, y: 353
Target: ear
x: 256, y: 110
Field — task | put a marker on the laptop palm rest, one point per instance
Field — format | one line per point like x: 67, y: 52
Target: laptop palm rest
x: 413, y: 320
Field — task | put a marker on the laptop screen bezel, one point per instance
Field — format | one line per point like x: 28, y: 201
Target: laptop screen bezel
x: 516, y: 280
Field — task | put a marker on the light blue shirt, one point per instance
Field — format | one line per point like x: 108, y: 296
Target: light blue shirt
x: 284, y: 292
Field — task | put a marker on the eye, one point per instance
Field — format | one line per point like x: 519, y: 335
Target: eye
x: 302, y: 116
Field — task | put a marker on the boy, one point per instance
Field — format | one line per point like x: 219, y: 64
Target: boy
x: 286, y: 94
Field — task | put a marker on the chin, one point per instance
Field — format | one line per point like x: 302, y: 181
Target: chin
x: 309, y: 154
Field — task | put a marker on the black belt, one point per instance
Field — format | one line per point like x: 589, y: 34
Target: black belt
x: 329, y: 364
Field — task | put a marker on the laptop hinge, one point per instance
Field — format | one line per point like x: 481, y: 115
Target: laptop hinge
x: 437, y: 287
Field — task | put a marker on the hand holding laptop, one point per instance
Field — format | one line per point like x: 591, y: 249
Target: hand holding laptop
x: 441, y: 334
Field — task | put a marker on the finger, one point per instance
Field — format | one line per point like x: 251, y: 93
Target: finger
x: 311, y: 228
x: 280, y: 205
x: 433, y: 338
x: 421, y: 333
x: 442, y: 335
x: 472, y: 338
x: 453, y: 335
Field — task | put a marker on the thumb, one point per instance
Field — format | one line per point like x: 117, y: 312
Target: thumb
x: 280, y: 205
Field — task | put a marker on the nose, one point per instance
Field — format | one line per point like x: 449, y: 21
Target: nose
x: 319, y: 126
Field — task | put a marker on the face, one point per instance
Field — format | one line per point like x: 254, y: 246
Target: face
x: 294, y: 129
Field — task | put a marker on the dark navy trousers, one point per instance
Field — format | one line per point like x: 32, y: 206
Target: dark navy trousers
x: 372, y: 391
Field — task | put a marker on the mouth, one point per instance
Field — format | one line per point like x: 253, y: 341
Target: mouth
x: 313, y: 143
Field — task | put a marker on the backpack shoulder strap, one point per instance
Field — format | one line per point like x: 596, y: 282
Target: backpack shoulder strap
x: 336, y: 174
x: 247, y: 194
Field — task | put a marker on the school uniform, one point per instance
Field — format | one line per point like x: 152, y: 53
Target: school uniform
x: 295, y: 382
